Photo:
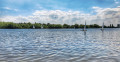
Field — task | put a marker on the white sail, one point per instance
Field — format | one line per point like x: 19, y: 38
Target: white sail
x: 85, y: 27
x: 33, y: 27
x: 102, y: 26
x: 41, y: 27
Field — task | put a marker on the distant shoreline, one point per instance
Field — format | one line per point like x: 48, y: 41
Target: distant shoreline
x: 56, y: 28
x: 11, y: 25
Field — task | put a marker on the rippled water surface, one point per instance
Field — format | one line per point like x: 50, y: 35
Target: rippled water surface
x: 59, y: 45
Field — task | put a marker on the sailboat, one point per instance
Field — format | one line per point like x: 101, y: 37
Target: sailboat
x: 84, y: 29
x: 33, y: 27
x: 102, y: 27
x: 74, y: 27
x: 41, y: 27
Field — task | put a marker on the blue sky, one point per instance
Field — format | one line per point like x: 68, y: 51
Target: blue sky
x: 26, y: 7
x: 28, y: 10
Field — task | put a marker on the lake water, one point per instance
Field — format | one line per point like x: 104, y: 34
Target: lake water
x: 59, y: 45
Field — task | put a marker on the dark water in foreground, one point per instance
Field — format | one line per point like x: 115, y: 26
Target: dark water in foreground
x: 59, y: 45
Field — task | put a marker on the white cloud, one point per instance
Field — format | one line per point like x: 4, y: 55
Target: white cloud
x: 15, y: 10
x: 118, y: 6
x: 52, y: 16
x: 116, y: 1
x: 108, y: 15
x: 8, y: 8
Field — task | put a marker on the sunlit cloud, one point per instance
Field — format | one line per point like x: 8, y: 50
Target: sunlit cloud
x: 107, y: 15
x: 61, y: 11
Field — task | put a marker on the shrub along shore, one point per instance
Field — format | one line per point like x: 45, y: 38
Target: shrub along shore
x: 11, y: 25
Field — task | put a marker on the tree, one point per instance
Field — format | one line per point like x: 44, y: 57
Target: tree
x: 81, y: 26
x: 112, y: 26
x: 66, y: 26
x: 96, y: 26
x: 76, y: 26
x: 11, y: 25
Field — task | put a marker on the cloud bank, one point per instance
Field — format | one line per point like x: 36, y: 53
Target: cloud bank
x: 107, y: 15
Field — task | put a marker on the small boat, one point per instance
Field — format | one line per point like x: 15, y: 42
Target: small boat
x: 41, y: 27
x: 84, y: 29
x: 33, y: 27
x: 102, y: 27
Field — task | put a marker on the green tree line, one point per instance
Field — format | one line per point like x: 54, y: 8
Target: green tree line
x: 11, y: 25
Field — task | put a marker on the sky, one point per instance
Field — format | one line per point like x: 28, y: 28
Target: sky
x: 61, y: 11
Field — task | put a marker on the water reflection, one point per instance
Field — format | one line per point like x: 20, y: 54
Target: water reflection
x: 59, y: 45
x: 85, y: 35
x: 102, y: 35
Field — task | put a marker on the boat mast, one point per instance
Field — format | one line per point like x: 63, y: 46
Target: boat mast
x: 103, y: 26
x: 85, y: 26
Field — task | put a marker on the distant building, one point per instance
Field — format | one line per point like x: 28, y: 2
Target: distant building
x: 118, y: 25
